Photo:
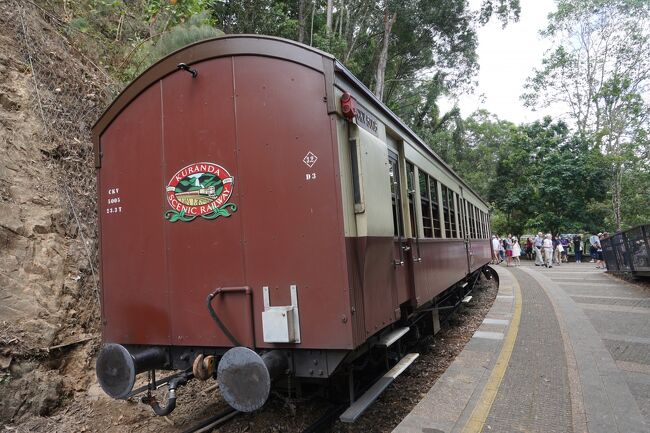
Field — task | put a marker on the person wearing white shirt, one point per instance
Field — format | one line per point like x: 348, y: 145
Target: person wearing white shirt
x: 537, y: 246
x: 495, y: 250
x: 547, y: 246
x: 593, y: 240
x: 516, y: 251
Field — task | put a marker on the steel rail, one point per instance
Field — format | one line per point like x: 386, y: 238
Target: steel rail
x: 214, y: 421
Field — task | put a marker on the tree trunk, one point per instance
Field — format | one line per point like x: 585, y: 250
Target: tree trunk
x: 616, y: 194
x: 330, y: 7
x: 341, y: 17
x: 383, y: 55
x: 311, y: 31
x: 301, y: 21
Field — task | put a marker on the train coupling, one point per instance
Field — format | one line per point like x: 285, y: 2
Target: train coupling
x: 204, y: 367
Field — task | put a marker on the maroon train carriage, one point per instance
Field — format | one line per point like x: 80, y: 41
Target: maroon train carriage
x: 263, y: 215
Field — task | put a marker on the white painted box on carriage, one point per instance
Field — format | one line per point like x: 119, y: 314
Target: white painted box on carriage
x: 278, y: 325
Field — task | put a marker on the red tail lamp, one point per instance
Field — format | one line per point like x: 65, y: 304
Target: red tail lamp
x: 348, y: 106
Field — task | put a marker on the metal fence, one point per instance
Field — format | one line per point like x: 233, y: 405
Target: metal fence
x: 628, y: 251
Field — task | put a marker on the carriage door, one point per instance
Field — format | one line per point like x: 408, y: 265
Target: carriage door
x: 402, y: 282
x: 398, y: 217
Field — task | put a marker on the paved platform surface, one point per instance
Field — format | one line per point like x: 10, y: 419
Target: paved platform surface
x: 565, y: 349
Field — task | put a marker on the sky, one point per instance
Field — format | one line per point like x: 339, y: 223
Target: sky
x: 507, y: 56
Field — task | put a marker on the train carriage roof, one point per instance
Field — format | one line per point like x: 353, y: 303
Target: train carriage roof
x: 239, y: 45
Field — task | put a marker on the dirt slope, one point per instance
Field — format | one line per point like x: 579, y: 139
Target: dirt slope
x: 47, y: 292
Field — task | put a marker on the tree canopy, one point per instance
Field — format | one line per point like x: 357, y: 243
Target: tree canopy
x: 600, y: 68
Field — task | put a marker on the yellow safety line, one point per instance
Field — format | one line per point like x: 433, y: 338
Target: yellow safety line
x: 479, y: 414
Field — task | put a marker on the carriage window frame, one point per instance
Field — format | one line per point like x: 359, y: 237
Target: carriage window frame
x: 410, y: 193
x: 485, y: 227
x: 435, y: 207
x: 461, y: 215
x: 445, y: 209
x: 425, y: 205
x: 452, y: 213
x: 472, y: 225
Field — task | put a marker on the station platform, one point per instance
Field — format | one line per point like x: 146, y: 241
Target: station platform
x: 565, y: 349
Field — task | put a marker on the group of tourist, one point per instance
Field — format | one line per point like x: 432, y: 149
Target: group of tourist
x: 507, y: 249
x: 547, y: 250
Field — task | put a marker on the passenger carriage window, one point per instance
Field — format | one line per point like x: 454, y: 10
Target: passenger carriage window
x: 472, y: 226
x: 448, y: 211
x: 452, y: 213
x: 425, y: 203
x: 410, y: 184
x: 395, y: 193
x: 485, y: 230
x: 435, y: 207
x: 478, y: 223
x: 461, y: 225
x: 463, y: 217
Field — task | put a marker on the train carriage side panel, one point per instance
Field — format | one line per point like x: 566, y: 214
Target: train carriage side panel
x: 293, y: 218
x: 444, y: 259
x: 363, y: 159
x: 481, y: 248
x: 135, y: 303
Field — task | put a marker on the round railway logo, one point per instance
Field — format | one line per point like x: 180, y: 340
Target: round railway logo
x: 201, y: 189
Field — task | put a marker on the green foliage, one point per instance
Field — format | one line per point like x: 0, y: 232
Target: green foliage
x: 538, y: 176
x: 174, y: 11
x: 432, y: 46
x: 505, y: 10
x: 79, y: 24
x: 636, y: 196
x: 195, y: 29
x: 499, y: 223
x: 265, y: 17
x: 600, y: 68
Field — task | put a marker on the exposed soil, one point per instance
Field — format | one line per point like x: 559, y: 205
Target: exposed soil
x: 48, y: 299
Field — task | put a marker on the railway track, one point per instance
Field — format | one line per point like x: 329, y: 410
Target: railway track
x: 209, y: 424
x: 326, y: 420
x: 319, y: 425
